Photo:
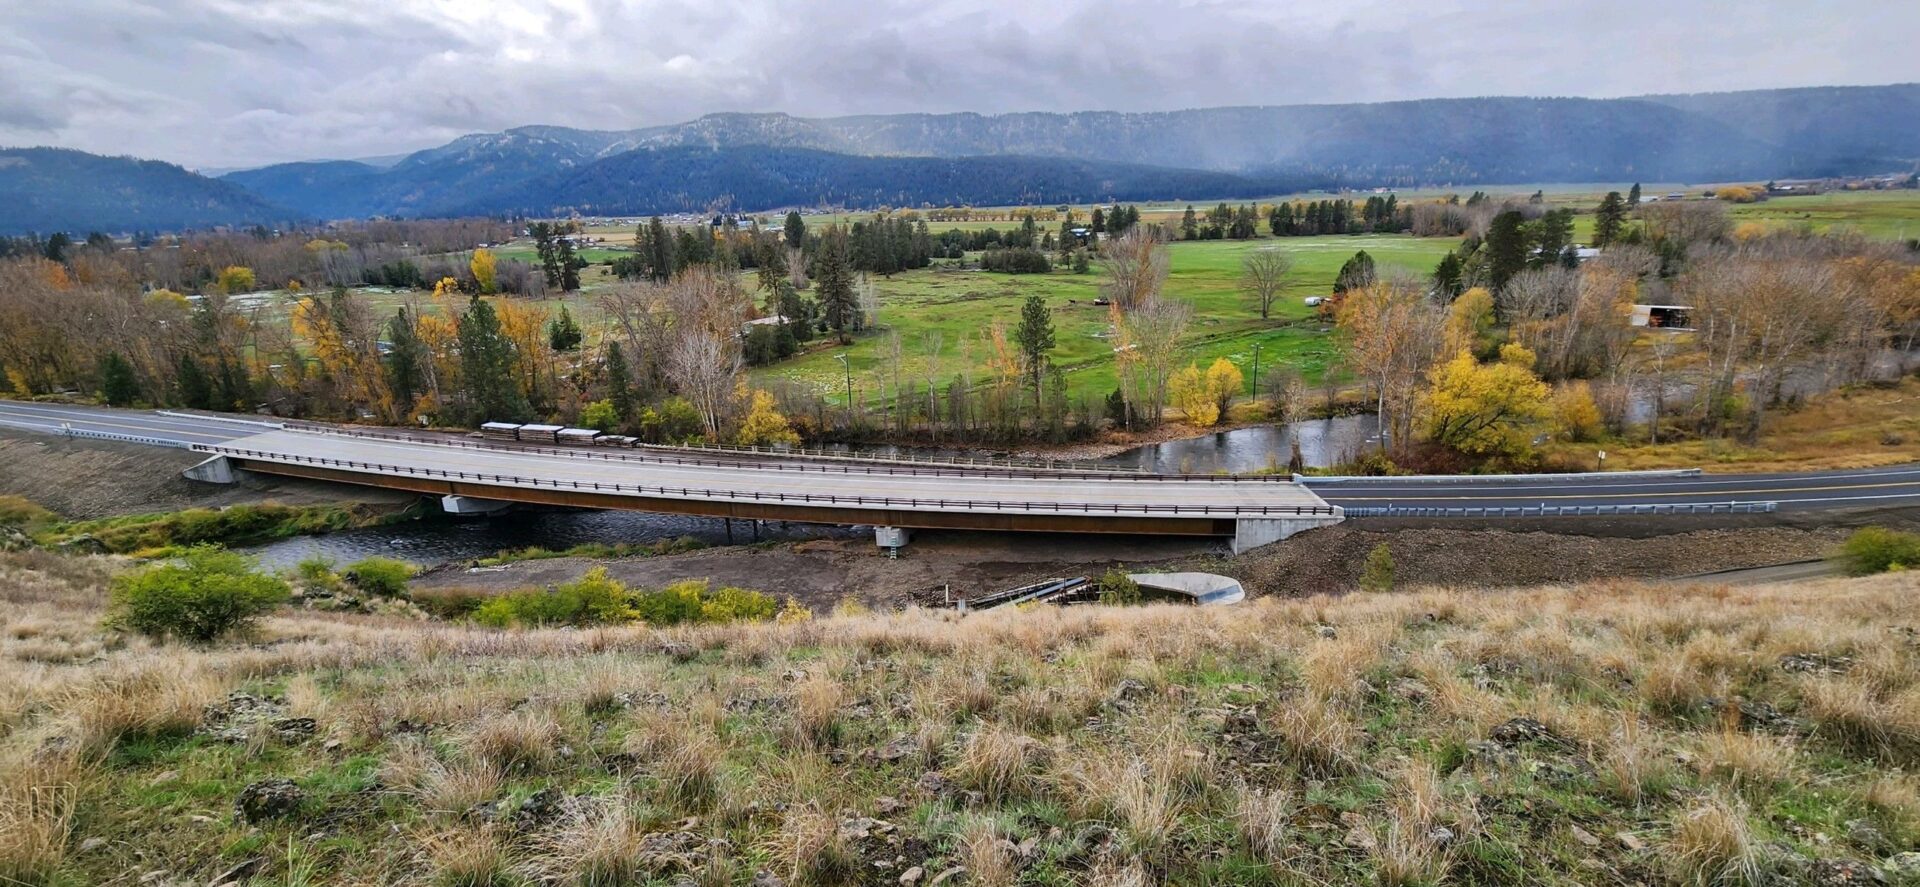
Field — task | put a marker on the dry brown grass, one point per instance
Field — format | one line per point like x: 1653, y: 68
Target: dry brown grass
x: 1249, y: 734
x: 1712, y: 844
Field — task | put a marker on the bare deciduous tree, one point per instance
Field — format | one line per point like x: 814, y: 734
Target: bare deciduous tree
x: 1145, y: 350
x: 1262, y: 274
x: 1136, y: 268
x: 1395, y: 333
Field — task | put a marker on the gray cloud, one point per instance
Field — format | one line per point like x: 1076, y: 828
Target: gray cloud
x: 241, y: 82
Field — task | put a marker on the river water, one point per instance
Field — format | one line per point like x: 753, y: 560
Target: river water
x: 436, y: 539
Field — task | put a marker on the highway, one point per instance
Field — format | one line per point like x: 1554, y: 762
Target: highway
x: 1874, y: 487
x: 1859, y: 488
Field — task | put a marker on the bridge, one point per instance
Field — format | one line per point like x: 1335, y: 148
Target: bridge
x: 917, y: 493
x: 477, y: 476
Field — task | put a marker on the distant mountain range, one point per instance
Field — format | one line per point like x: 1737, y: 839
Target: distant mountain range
x: 764, y: 161
x: 53, y: 189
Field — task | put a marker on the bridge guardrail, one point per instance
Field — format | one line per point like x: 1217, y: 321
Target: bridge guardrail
x: 1573, y: 477
x: 1483, y: 511
x: 892, y: 502
x: 616, y: 455
x: 208, y: 417
x: 126, y: 438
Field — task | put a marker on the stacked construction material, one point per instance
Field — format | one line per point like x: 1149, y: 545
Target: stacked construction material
x: 541, y: 433
x: 581, y: 436
x: 500, y: 431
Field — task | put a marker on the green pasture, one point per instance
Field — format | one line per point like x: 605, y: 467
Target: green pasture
x: 959, y: 306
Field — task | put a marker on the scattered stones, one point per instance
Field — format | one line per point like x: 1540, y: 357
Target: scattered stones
x: 91, y: 844
x: 899, y: 749
x: 293, y: 730
x: 1524, y: 730
x: 1631, y: 841
x: 233, y: 719
x: 1842, y: 873
x: 268, y: 799
x: 1326, y: 632
x: 541, y: 809
x: 947, y: 875
x: 1585, y: 837
x: 933, y: 782
x: 1902, y: 865
x: 912, y: 876
x: 1815, y: 663
x: 679, y: 652
x: 764, y: 878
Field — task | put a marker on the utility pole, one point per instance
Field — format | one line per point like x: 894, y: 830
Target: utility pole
x: 849, y: 368
x: 1255, y: 391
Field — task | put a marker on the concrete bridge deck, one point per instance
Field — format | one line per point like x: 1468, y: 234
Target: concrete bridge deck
x: 1253, y: 511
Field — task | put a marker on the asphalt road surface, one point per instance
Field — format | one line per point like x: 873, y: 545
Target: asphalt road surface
x: 1862, y: 488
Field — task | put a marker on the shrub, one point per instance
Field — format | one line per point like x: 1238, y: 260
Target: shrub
x: 597, y: 598
x: 383, y: 576
x: 1877, y: 550
x: 1377, y: 575
x: 17, y: 511
x: 591, y: 600
x: 209, y: 592
x: 677, y: 603
x: 1119, y: 589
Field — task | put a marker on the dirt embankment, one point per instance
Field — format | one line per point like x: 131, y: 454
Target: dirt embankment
x: 1321, y: 561
x: 86, y: 479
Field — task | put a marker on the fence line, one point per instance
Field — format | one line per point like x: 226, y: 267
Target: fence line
x: 1561, y: 510
x: 125, y: 438
x: 1574, y: 477
x: 995, y: 505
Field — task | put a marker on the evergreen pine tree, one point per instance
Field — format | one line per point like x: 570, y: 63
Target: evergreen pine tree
x: 118, y: 387
x: 833, y: 280
x: 487, y: 368
x: 563, y: 334
x: 1034, y: 335
x: 1608, y: 219
x: 406, y: 360
x: 795, y: 230
x: 619, y: 382
x: 1633, y: 196
x: 196, y: 390
x: 1447, y: 277
x: 1506, y: 248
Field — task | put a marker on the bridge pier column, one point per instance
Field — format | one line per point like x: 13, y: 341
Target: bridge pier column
x: 891, y: 539
x: 457, y: 504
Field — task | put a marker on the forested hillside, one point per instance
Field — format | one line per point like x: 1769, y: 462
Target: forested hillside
x: 53, y: 189
x: 669, y: 180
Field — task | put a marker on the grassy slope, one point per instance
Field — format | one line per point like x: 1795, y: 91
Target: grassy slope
x: 1347, y: 740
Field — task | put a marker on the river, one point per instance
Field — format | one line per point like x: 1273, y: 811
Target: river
x: 435, y: 540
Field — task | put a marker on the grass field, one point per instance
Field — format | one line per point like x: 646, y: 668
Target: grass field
x: 961, y: 304
x: 1615, y: 733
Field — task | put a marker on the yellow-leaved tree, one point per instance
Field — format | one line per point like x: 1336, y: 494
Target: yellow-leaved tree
x: 1470, y: 321
x: 235, y: 279
x: 763, y: 424
x: 1224, y: 380
x: 1190, y: 395
x: 1576, y: 413
x: 1488, y: 410
x: 483, y: 271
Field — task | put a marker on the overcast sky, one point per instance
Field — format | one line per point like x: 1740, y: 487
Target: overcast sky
x: 224, y: 83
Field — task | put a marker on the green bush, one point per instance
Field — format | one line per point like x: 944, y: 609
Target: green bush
x: 383, y: 576
x: 732, y: 604
x: 597, y: 599
x: 593, y: 599
x: 1119, y: 589
x: 1377, y: 574
x: 1877, y: 550
x: 207, y: 593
